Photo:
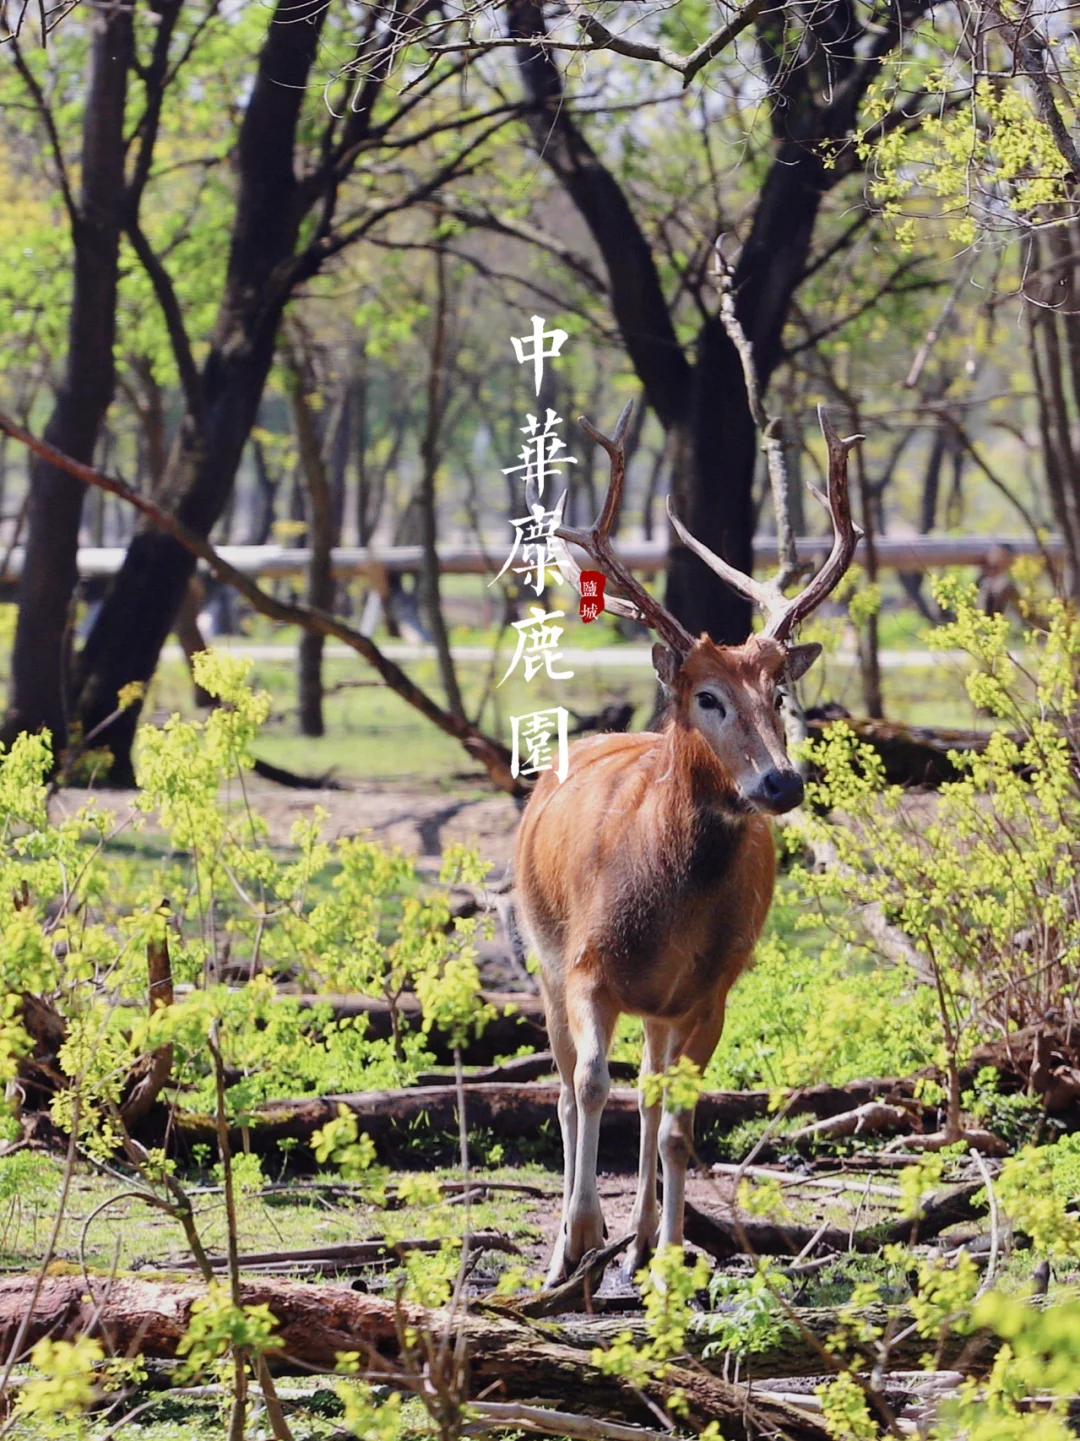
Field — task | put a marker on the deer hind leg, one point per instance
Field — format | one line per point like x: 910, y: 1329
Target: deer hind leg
x: 592, y: 1018
x: 562, y: 1046
x: 646, y: 1217
x: 697, y: 1040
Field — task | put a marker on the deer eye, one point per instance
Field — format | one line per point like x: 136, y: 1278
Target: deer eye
x: 779, y: 702
x: 707, y: 701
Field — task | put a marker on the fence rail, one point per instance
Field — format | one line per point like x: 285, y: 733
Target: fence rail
x: 647, y: 557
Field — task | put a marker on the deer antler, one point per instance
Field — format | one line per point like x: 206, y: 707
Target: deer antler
x: 596, y: 542
x: 784, y: 614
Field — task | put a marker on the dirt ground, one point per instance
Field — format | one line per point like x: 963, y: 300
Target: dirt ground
x: 420, y: 822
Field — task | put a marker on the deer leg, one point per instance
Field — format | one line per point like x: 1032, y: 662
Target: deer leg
x: 697, y: 1041
x: 646, y: 1217
x: 592, y: 1021
x: 562, y: 1047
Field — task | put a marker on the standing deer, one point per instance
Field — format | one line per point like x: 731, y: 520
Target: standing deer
x: 645, y: 876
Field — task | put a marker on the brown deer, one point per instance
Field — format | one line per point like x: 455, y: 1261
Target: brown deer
x: 645, y: 876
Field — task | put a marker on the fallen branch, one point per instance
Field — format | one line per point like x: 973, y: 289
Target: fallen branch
x: 578, y: 1287
x: 315, y: 1324
x: 348, y: 1254
x: 723, y: 1237
x: 504, y: 1416
x: 869, y: 1119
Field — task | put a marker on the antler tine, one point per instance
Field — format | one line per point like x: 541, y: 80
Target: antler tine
x: 760, y: 592
x: 616, y: 449
x: 596, y: 542
x: 846, y: 535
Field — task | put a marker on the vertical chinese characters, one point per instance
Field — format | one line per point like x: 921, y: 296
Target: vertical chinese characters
x: 539, y: 739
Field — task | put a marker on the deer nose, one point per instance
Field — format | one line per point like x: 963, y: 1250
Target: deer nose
x: 779, y: 791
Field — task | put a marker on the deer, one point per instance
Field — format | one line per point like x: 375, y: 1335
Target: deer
x: 644, y: 877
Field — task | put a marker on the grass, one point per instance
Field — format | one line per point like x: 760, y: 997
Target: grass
x: 133, y: 1237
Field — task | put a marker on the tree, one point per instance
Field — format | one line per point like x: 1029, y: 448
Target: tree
x: 819, y: 65
x: 43, y: 633
x: 293, y: 157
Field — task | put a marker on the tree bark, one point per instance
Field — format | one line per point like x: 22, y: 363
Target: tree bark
x: 145, y: 596
x: 428, y: 587
x: 40, y: 659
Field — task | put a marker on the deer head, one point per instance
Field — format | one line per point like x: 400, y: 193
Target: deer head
x: 731, y: 695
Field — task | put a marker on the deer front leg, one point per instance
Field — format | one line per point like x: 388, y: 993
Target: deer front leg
x: 592, y: 1020
x: 677, y: 1127
x: 562, y: 1047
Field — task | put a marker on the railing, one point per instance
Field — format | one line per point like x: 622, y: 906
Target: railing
x: 918, y: 552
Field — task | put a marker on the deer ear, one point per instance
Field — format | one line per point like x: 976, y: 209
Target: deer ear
x: 666, y: 664
x: 799, y: 659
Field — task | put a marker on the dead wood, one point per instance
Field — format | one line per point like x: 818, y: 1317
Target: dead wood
x: 282, y: 777
x: 151, y: 1073
x: 722, y: 1237
x: 508, y: 1110
x: 802, y: 1349
x: 912, y: 755
x: 576, y: 1288
x: 869, y: 1119
x: 522, y: 1068
x: 507, y: 1359
x: 346, y: 1254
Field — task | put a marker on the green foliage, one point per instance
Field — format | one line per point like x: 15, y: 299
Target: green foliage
x: 677, y: 1088
x: 56, y: 1400
x: 957, y: 153
x: 341, y: 1143
x: 74, y: 930
x: 982, y: 890
x: 746, y: 1314
x: 217, y: 1326
x: 807, y: 1011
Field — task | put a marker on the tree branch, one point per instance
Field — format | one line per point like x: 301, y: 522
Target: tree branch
x: 48, y: 120
x: 490, y: 752
x: 173, y: 314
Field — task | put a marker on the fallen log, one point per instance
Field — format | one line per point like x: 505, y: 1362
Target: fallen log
x: 722, y: 1237
x: 135, y: 1316
x: 802, y: 1348
x: 521, y: 1068
x: 508, y: 1110
x: 912, y: 755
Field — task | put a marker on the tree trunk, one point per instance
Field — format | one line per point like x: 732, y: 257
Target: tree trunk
x: 145, y: 596
x: 40, y: 659
x: 320, y: 539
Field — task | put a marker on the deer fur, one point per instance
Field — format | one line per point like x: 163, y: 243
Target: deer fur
x: 644, y: 879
